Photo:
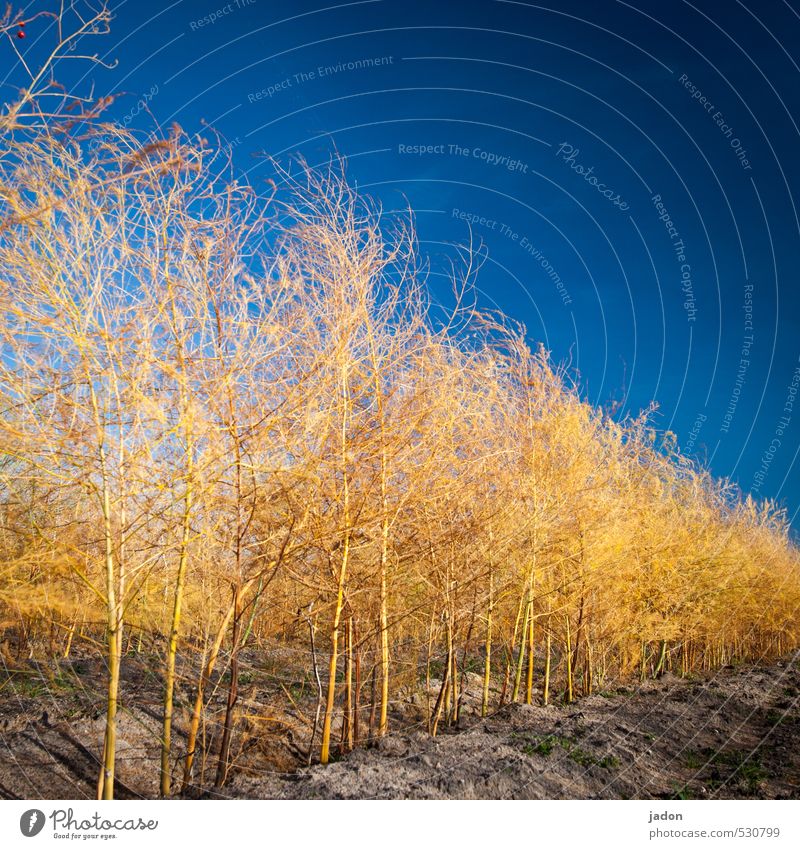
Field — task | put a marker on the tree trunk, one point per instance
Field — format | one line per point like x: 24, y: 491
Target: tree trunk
x: 521, y: 659
x: 487, y: 663
x: 233, y: 691
x: 172, y: 650
x: 205, y: 677
x: 570, y: 691
x: 337, y: 615
x: 529, y: 681
x: 546, y: 689
x: 437, y: 709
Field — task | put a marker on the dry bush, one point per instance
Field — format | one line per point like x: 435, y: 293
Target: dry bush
x: 227, y: 418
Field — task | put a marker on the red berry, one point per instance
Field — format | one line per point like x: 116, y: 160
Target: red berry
x: 21, y: 34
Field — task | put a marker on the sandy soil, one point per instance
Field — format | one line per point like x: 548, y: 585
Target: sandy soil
x: 735, y: 734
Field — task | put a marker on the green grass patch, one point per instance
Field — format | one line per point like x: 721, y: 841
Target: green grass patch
x: 728, y: 766
x: 544, y: 746
x: 682, y: 791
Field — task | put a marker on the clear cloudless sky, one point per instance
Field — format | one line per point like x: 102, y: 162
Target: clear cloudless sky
x: 630, y: 168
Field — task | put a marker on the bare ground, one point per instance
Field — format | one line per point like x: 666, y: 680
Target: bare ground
x: 734, y: 734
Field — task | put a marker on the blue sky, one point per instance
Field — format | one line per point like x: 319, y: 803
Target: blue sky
x: 630, y: 168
